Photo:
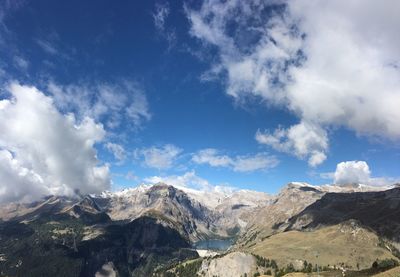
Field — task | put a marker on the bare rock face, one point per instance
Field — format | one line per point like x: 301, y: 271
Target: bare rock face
x: 232, y: 264
x: 238, y: 208
x: 188, y: 216
x: 27, y: 211
x: 196, y: 214
x: 107, y: 270
x: 290, y: 201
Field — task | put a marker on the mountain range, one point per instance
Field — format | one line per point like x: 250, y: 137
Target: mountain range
x: 152, y: 230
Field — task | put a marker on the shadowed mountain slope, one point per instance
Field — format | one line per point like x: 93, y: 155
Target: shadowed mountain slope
x: 379, y: 211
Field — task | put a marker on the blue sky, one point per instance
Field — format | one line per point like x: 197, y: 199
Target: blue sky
x: 169, y: 80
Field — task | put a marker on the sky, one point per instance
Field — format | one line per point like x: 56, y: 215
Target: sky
x: 105, y: 95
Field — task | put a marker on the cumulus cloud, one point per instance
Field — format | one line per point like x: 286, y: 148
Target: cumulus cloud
x: 330, y: 64
x: 117, y: 150
x: 44, y: 152
x: 304, y: 140
x: 350, y: 172
x: 361, y: 84
x: 212, y: 157
x: 105, y: 102
x: 159, y: 157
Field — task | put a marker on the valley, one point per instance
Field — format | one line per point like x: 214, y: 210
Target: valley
x: 162, y: 230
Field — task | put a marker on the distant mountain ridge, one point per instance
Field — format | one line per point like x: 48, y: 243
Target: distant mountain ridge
x: 196, y: 214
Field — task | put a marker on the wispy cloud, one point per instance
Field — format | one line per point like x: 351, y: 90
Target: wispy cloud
x: 117, y: 150
x: 160, y: 16
x: 130, y: 175
x: 47, y: 46
x: 190, y: 180
x: 161, y: 13
x: 109, y: 103
x: 21, y: 63
x: 247, y: 163
x: 159, y: 157
x: 7, y: 7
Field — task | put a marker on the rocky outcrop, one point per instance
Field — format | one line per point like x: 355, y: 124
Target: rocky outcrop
x: 232, y: 264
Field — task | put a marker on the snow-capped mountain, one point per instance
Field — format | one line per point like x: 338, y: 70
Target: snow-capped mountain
x: 201, y: 213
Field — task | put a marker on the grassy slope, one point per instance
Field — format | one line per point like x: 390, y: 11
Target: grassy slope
x: 394, y: 272
x: 335, y: 245
x: 336, y: 273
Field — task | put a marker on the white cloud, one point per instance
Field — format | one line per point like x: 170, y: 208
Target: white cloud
x: 351, y: 75
x: 162, y: 12
x: 44, y: 152
x: 108, y: 103
x: 189, y: 180
x: 304, y: 140
x: 331, y: 64
x: 350, y: 172
x: 260, y: 161
x: 7, y: 8
x: 47, y: 46
x: 160, y: 15
x: 212, y: 157
x: 130, y: 175
x: 21, y: 63
x: 138, y: 110
x: 117, y: 150
x: 159, y: 157
x: 19, y: 182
